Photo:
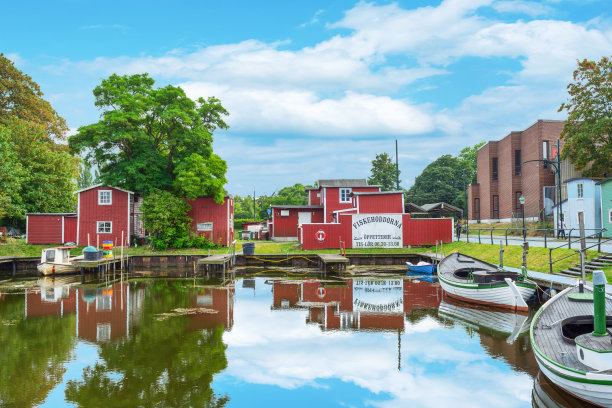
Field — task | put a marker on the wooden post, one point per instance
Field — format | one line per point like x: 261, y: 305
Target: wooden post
x: 97, y: 242
x: 88, y: 244
x: 582, y: 250
x: 122, y: 243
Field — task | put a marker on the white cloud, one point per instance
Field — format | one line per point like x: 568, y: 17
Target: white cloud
x: 530, y: 8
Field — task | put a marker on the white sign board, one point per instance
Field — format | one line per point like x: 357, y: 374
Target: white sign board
x: 378, y: 295
x: 377, y: 231
x: 205, y: 226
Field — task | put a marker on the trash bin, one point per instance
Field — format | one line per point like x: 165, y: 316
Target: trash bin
x: 248, y: 248
x: 92, y: 254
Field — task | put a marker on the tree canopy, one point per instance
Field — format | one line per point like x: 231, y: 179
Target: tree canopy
x: 587, y: 134
x: 384, y: 172
x: 21, y: 98
x: 291, y: 195
x: 154, y: 138
x: 446, y: 179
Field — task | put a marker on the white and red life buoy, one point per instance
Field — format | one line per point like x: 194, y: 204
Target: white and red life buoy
x: 321, y: 291
x: 320, y: 235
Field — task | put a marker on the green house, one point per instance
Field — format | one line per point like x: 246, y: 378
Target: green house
x: 605, y: 187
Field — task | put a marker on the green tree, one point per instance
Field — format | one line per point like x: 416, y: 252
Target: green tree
x: 87, y: 176
x: 21, y: 98
x: 587, y: 133
x: 468, y: 160
x: 154, y: 138
x: 165, y: 217
x: 384, y: 172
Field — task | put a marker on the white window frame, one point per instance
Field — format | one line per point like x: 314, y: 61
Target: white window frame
x: 348, y: 195
x: 101, y: 194
x: 104, y: 232
x: 284, y: 213
x: 579, y: 190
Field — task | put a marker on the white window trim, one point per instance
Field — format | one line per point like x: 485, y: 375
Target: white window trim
x: 98, y: 227
x: 110, y: 193
x: 348, y: 200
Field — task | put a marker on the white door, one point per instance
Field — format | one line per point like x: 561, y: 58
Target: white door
x: 304, y: 218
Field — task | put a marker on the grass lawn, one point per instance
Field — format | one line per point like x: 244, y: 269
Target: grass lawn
x: 537, y: 259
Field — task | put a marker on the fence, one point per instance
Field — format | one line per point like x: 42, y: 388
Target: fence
x: 544, y: 232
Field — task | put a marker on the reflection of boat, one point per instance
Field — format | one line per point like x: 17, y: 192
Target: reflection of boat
x: 473, y: 280
x: 421, y: 267
x: 498, y: 320
x: 545, y: 394
x: 56, y: 261
x: 570, y: 337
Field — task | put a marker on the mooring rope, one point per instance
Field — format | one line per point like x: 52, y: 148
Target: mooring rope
x: 276, y: 270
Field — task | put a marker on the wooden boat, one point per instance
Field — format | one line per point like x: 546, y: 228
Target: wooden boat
x: 572, y: 342
x: 421, y: 267
x: 546, y: 394
x: 57, y: 261
x: 470, y: 279
x: 497, y: 320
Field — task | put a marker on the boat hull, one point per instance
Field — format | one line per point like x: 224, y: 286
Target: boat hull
x: 428, y: 269
x: 498, y: 295
x: 48, y: 268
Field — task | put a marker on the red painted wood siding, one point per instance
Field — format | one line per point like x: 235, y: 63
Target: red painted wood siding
x: 332, y: 200
x: 70, y: 229
x: 381, y: 204
x: 90, y: 212
x: 44, y: 229
x: 287, y: 226
x: 334, y: 233
x: 205, y: 209
x: 426, y: 231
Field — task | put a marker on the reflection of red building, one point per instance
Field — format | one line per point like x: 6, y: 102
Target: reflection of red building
x: 103, y: 314
x: 219, y: 305
x: 50, y: 301
x: 339, y: 307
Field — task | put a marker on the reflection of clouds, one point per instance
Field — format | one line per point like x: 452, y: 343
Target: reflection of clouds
x: 440, y: 367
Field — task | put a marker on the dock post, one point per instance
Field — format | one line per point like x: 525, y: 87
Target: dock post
x: 14, y: 268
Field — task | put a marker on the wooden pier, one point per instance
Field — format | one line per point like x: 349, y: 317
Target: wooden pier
x: 101, y: 265
x: 217, y: 262
x: 334, y: 261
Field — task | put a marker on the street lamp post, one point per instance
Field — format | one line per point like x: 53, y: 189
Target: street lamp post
x: 522, y: 200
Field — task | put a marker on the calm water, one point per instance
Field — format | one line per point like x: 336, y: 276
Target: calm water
x: 260, y: 342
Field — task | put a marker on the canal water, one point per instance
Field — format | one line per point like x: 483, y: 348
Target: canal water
x: 262, y: 341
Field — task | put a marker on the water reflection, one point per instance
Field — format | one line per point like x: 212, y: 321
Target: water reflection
x: 331, y: 342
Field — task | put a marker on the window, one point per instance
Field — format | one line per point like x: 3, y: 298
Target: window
x: 495, y: 207
x: 345, y: 195
x: 517, y: 162
x: 50, y: 255
x: 517, y: 200
x: 545, y: 149
x: 105, y: 197
x: 284, y: 213
x: 105, y: 227
x: 477, y: 208
x: 494, y: 168
x: 580, y: 190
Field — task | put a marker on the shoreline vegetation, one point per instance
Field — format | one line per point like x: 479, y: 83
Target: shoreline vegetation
x: 537, y: 258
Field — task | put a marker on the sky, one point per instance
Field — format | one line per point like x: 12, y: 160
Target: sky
x: 316, y: 89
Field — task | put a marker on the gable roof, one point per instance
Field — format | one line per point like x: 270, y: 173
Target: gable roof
x: 376, y: 192
x: 342, y: 183
x: 441, y: 206
x: 102, y: 185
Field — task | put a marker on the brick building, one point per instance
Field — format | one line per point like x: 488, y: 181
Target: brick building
x: 501, y: 180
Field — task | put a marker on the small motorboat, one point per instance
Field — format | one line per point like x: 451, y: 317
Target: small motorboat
x: 571, y: 338
x: 57, y: 260
x: 422, y: 267
x: 470, y: 279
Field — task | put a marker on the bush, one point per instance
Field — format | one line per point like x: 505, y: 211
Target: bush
x: 165, y: 216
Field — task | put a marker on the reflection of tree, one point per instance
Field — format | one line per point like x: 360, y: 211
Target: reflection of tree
x: 33, y: 352
x: 160, y: 365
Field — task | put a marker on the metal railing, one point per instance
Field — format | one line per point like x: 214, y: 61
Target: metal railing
x: 598, y: 245
x: 546, y: 233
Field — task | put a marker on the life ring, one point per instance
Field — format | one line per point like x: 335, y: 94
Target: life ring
x: 320, y: 235
x: 321, y: 291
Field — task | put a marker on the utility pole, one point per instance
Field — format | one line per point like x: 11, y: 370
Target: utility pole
x: 254, y: 211
x: 559, y: 223
x: 396, y: 167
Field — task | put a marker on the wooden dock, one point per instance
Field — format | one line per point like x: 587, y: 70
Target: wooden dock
x: 332, y: 261
x: 216, y: 262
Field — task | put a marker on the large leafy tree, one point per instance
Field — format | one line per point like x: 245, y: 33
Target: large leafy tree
x: 21, y: 98
x: 587, y: 134
x: 384, y: 172
x: 154, y: 138
x: 291, y: 195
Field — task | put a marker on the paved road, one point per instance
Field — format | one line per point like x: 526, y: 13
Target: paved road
x: 537, y: 241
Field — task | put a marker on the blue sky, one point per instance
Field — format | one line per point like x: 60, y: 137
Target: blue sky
x: 316, y: 89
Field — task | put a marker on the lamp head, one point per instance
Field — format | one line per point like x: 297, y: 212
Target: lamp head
x: 522, y: 200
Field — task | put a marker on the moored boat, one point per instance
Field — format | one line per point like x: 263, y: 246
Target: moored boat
x: 572, y: 342
x: 421, y: 267
x: 57, y: 260
x: 470, y: 279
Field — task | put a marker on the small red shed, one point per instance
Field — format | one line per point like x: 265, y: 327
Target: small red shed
x: 215, y: 221
x: 51, y: 228
x: 286, y: 220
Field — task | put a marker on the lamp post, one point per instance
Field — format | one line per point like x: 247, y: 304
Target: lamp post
x: 522, y: 201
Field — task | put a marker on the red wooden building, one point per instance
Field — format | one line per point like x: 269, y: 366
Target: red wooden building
x: 105, y: 213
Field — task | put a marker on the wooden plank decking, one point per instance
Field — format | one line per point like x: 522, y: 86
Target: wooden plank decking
x: 4, y: 259
x: 332, y: 258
